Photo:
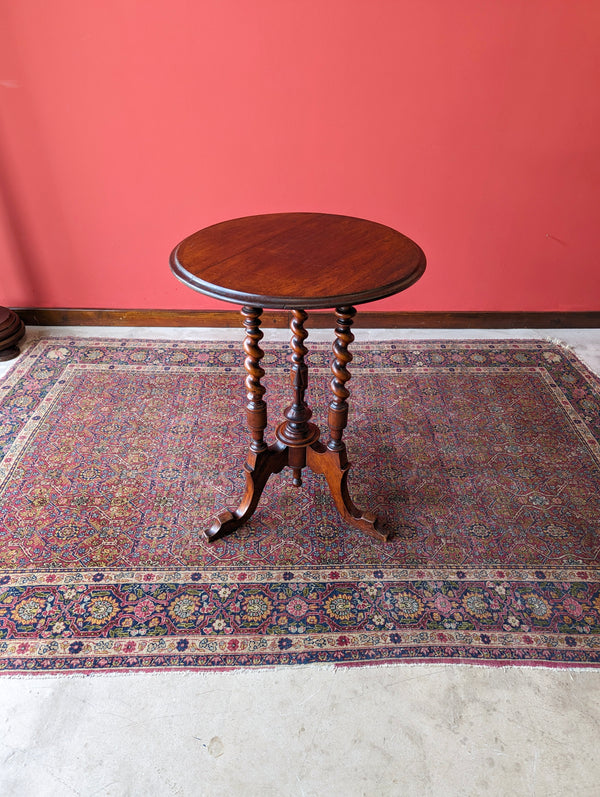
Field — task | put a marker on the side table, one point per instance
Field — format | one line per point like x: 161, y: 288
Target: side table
x: 295, y: 262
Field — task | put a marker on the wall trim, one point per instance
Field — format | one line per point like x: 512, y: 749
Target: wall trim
x: 51, y: 316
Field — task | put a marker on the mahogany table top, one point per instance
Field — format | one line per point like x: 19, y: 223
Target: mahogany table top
x: 298, y: 260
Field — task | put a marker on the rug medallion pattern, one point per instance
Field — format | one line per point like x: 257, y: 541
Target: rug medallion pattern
x: 113, y: 459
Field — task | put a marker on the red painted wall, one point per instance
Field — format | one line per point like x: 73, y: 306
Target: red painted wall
x: 473, y: 126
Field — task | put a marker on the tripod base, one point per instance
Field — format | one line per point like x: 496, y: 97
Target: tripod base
x: 320, y: 459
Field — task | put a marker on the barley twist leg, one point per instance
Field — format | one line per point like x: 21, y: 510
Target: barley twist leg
x: 262, y: 460
x: 338, y: 409
x: 332, y: 460
x: 256, y: 409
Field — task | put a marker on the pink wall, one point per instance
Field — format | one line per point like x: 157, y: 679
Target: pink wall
x: 473, y: 126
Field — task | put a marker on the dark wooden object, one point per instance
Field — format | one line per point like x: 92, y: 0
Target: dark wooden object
x: 12, y: 330
x: 296, y: 261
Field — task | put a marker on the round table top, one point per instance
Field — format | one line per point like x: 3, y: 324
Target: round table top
x: 298, y: 260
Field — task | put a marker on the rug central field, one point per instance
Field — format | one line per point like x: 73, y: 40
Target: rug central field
x: 113, y: 461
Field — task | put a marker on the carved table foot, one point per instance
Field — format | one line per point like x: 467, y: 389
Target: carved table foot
x: 259, y: 466
x: 334, y: 466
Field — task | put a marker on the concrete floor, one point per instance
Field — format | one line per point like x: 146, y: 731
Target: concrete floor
x: 399, y: 730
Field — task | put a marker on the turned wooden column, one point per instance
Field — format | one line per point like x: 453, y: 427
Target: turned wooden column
x: 256, y: 409
x: 338, y: 409
x: 296, y: 432
x: 12, y: 330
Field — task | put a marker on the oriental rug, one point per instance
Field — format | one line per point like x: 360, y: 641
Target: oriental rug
x: 113, y: 460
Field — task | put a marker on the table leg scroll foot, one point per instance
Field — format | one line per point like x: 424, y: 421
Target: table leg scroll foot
x: 258, y: 467
x: 334, y: 466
